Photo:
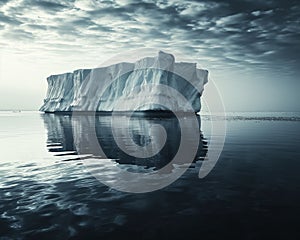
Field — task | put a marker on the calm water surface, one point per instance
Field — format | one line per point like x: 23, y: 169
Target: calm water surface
x: 252, y: 193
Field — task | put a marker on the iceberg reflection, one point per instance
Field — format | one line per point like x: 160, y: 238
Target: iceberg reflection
x: 70, y: 136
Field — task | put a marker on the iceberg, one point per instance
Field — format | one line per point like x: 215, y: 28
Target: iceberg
x: 148, y: 84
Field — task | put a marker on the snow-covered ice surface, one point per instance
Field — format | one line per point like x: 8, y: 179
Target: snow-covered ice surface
x: 124, y: 86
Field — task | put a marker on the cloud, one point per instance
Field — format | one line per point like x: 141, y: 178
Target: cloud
x: 8, y: 20
x: 240, y: 32
x: 47, y: 5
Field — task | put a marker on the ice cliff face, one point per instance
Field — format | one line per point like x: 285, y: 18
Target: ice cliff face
x: 148, y: 83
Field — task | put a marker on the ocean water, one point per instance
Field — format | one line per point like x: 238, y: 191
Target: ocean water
x: 47, y: 192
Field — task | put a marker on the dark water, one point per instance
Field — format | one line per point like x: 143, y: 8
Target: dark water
x: 46, y: 191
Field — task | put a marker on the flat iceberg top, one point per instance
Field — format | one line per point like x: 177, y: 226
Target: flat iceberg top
x: 151, y: 83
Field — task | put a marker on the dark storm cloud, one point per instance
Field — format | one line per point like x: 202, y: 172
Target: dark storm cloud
x: 36, y: 27
x: 47, y: 5
x: 8, y: 20
x: 236, y: 32
x: 253, y: 31
x: 2, y: 2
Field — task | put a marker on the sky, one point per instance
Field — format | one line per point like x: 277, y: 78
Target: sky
x: 250, y: 47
